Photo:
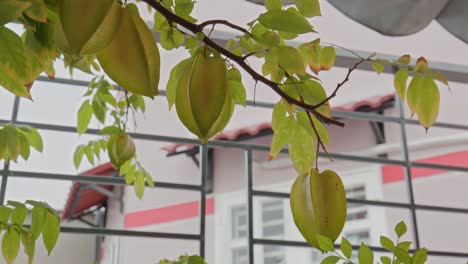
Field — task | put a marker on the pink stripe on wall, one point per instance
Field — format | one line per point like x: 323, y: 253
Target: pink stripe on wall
x: 167, y: 214
x: 395, y: 173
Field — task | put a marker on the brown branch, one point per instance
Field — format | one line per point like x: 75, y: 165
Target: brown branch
x: 222, y: 22
x: 340, y: 84
x: 194, y: 28
x: 319, y: 139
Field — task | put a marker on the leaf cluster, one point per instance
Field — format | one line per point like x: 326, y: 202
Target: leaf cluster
x: 399, y: 250
x: 44, y: 221
x: 16, y: 141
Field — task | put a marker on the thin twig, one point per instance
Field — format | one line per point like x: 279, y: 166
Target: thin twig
x: 340, y: 84
x: 222, y: 22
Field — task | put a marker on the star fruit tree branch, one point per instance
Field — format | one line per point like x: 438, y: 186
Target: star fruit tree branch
x: 198, y: 29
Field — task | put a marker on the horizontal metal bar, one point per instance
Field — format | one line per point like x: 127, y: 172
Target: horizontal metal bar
x: 98, y: 179
x: 131, y: 233
x: 291, y: 243
x: 338, y: 114
x: 375, y: 203
x: 438, y: 166
x: 257, y: 147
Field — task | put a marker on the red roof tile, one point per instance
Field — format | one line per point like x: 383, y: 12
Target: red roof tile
x: 87, y: 197
x: 373, y: 102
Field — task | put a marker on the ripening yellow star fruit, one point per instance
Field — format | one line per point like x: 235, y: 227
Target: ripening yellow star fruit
x: 203, y: 102
x: 132, y: 58
x: 120, y: 149
x: 318, y: 205
x: 86, y: 26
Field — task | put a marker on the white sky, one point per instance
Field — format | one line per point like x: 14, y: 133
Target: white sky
x: 58, y: 104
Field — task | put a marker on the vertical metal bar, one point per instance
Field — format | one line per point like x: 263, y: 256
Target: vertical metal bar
x: 204, y: 174
x: 248, y: 174
x: 409, y: 181
x: 6, y: 167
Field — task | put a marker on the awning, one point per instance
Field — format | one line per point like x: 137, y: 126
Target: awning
x: 82, y: 197
x: 368, y: 104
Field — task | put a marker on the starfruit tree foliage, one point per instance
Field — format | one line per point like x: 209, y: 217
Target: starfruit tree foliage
x: 109, y: 39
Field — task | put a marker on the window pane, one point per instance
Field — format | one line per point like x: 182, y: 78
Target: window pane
x: 239, y: 222
x: 239, y: 256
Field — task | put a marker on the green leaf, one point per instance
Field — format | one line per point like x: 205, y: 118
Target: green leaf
x: 13, y: 66
x: 424, y: 99
x: 149, y: 179
x: 34, y: 138
x: 19, y: 214
x: 325, y: 243
x: 301, y: 149
x: 51, y: 231
x: 402, y: 255
x: 99, y: 109
x: 280, y: 124
x: 12, y: 142
x: 313, y: 94
x: 38, y: 218
x: 365, y: 255
x: 404, y: 60
x: 173, y: 81
x: 400, y: 83
x: 419, y: 257
x: 387, y: 243
x: 10, y: 10
x: 183, y: 7
x: 160, y: 22
x: 10, y: 244
x: 308, y: 8
x: 130, y: 175
x: 378, y: 67
x: 438, y: 76
x: 400, y: 229
x: 84, y: 117
x: 273, y: 4
x: 12, y: 56
x: 89, y: 152
x: 330, y: 260
x: 38, y: 11
x: 78, y: 156
x: 24, y: 146
x: 110, y: 130
x: 139, y: 185
x: 286, y: 21
x: 171, y: 39
x: 195, y: 260
x: 405, y: 245
x: 5, y: 213
x: 346, y: 248
x: 288, y: 58
x: 237, y: 92
x: 29, y: 245
x: 322, y: 131
x: 327, y: 58
x: 386, y: 260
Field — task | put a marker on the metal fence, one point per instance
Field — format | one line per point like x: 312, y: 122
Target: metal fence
x: 453, y: 72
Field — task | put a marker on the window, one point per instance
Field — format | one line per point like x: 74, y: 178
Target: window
x: 238, y: 235
x: 273, y: 228
x: 356, y: 237
x: 356, y: 211
x: 239, y: 222
x: 239, y: 255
